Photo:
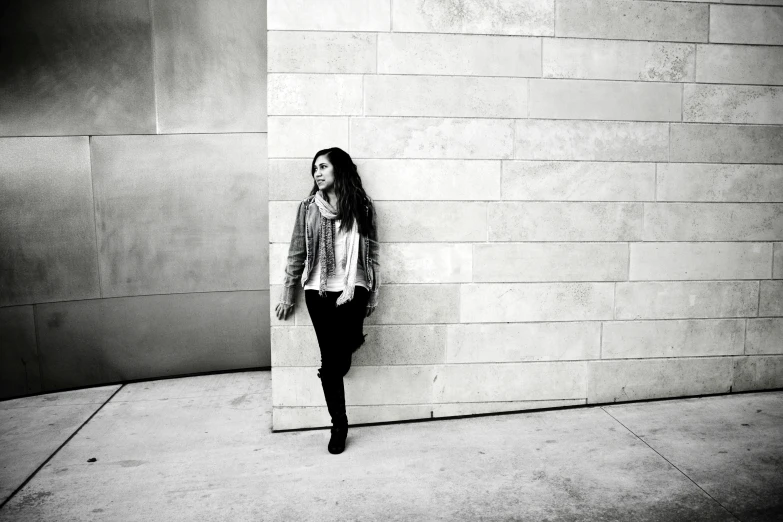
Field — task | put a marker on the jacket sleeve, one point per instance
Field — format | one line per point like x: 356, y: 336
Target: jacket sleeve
x: 374, y: 259
x: 297, y: 252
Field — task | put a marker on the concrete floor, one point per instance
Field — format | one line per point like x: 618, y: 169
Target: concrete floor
x: 201, y: 448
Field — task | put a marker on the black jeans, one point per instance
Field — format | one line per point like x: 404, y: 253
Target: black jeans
x: 339, y: 330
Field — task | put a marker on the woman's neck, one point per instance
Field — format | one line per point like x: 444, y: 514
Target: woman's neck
x: 331, y: 197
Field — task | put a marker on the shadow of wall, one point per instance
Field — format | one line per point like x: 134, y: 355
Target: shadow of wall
x: 133, y: 191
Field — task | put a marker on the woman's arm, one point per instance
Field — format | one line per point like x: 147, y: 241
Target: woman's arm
x: 297, y: 252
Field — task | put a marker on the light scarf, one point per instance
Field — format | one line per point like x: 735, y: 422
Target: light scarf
x: 326, y: 250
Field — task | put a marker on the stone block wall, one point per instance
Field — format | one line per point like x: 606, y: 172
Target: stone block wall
x: 580, y: 201
x: 133, y: 206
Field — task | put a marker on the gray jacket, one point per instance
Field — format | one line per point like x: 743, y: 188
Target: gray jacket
x: 303, y: 252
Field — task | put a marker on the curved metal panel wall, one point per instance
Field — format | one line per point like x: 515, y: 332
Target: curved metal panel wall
x: 133, y: 190
x: 46, y: 221
x: 180, y: 213
x: 76, y: 67
x: 210, y: 64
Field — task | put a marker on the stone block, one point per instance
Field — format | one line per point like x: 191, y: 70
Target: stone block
x: 456, y: 409
x: 742, y: 64
x: 397, y: 304
x: 758, y: 373
x: 431, y: 221
x: 755, y: 2
x: 686, y: 299
x: 456, y: 54
x: 447, y: 96
x: 512, y: 17
x: 510, y: 382
x: 19, y: 371
x: 47, y: 222
x: 521, y: 262
x: 385, y: 345
x: 733, y: 104
x: 618, y: 60
x: 715, y: 182
x: 487, y: 343
x: 764, y: 336
x: 677, y: 338
x: 578, y: 180
x: 303, y: 136
x: 777, y: 261
x: 364, y: 386
x: 402, y: 221
x: 210, y: 65
x: 321, y: 52
x: 746, y: 25
x: 632, y: 20
x: 342, y: 15
x: 771, y: 299
x: 315, y: 416
x: 296, y: 386
x: 569, y: 221
x: 430, y: 179
x: 420, y: 303
x: 713, y: 221
x: 181, y: 213
x: 700, y: 261
x: 278, y: 257
x: 282, y: 219
x: 605, y: 100
x: 398, y: 179
x: 76, y: 68
x: 635, y: 380
x: 591, y: 140
x: 414, y: 304
x: 693, y: 142
x: 426, y: 262
x: 534, y: 302
x: 290, y: 179
x: 315, y: 94
x: 447, y: 138
x: 83, y: 343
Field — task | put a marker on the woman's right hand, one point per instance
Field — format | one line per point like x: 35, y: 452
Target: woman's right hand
x: 282, y: 311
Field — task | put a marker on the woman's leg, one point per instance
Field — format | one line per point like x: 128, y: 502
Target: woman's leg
x: 351, y: 316
x: 323, y: 315
x: 339, y: 333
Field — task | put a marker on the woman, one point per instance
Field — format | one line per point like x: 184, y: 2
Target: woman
x: 334, y: 253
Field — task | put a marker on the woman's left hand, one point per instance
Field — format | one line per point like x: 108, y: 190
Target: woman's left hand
x: 370, y: 310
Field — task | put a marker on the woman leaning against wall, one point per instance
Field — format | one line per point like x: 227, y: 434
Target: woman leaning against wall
x: 334, y: 256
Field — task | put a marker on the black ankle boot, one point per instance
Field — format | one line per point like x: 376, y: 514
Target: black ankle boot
x: 337, y: 442
x: 334, y: 393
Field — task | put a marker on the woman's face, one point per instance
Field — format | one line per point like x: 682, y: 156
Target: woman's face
x: 323, y: 174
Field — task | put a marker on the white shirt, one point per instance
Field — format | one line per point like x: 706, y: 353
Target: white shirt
x: 335, y: 282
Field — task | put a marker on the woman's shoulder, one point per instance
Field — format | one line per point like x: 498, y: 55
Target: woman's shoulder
x: 304, y: 207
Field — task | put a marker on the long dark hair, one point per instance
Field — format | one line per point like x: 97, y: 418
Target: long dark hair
x: 348, y: 186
